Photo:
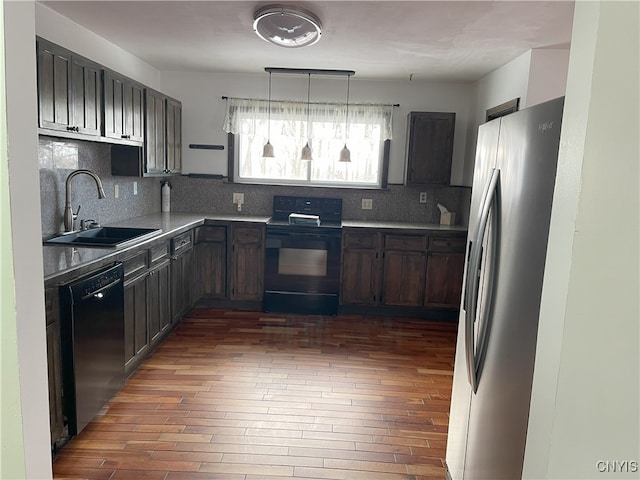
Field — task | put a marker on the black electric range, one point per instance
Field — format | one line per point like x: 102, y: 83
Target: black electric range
x: 302, y: 259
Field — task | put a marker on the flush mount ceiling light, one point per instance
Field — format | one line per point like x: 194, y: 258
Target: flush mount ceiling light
x: 287, y: 26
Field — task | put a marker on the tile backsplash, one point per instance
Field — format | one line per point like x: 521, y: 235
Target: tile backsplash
x: 59, y: 157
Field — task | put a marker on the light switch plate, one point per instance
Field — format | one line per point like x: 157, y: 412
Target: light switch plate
x: 367, y: 203
x: 238, y: 198
x: 423, y: 197
x: 116, y: 191
x: 135, y: 188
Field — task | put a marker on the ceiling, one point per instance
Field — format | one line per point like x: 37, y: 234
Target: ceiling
x: 421, y: 40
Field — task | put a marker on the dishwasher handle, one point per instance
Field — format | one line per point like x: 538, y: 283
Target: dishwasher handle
x: 101, y: 291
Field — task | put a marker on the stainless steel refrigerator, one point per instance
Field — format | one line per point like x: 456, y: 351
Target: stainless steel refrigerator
x: 511, y: 199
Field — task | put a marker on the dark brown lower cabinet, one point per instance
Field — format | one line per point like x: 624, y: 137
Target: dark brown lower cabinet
x: 182, y: 272
x: 136, y: 334
x: 359, y: 282
x: 54, y: 364
x: 444, y: 279
x: 247, y: 263
x: 158, y: 302
x: 403, y: 278
x: 401, y: 270
x: 211, y: 262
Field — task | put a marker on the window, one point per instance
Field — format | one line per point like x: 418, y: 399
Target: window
x: 369, y: 127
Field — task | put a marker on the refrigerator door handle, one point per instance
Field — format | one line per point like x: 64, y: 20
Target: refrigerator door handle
x: 489, y: 200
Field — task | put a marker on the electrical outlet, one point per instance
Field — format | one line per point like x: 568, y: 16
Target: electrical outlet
x: 135, y: 188
x: 367, y: 203
x: 423, y: 197
x: 116, y: 191
x: 238, y: 198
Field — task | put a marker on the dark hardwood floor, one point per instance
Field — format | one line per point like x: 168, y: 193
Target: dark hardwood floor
x: 246, y: 395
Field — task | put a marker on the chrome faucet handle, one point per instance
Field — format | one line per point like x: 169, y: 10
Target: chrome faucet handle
x: 88, y: 224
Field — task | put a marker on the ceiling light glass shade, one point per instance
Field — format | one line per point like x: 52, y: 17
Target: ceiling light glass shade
x: 287, y: 26
x: 345, y: 154
x: 267, y: 150
x: 306, y: 153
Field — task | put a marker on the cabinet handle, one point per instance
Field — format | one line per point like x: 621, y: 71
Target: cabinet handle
x: 126, y: 137
x: 73, y: 129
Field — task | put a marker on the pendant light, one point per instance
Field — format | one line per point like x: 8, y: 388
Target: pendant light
x: 267, y: 150
x: 306, y: 151
x: 345, y: 154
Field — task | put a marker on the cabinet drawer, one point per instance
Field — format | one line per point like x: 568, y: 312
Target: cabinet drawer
x: 416, y: 243
x: 211, y: 234
x: 181, y: 242
x: 247, y: 235
x: 447, y: 244
x: 158, y: 253
x: 360, y: 240
x: 136, y: 264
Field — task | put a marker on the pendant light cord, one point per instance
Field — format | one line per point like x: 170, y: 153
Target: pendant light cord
x: 308, y: 104
x: 269, y: 112
x: 346, y: 117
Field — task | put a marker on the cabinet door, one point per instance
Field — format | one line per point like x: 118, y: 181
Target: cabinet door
x: 136, y: 336
x: 174, y: 136
x: 247, y: 263
x: 123, y: 108
x: 113, y: 106
x: 159, y: 306
x: 155, y: 138
x: 181, y: 284
x: 360, y: 272
x: 211, y: 271
x: 133, y: 112
x: 430, y: 148
x: 54, y: 86
x: 86, y: 94
x: 54, y: 364
x: 403, y: 278
x: 444, y: 279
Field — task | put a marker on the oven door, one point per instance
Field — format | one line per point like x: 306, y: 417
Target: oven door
x: 302, y: 270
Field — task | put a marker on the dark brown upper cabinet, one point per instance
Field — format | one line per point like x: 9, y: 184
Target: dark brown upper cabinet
x: 155, y: 141
x: 430, y: 148
x: 174, y: 136
x: 123, y: 108
x: 69, y: 92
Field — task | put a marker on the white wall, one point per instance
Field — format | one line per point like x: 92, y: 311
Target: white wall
x: 22, y: 141
x: 585, y: 399
x: 204, y: 110
x: 547, y: 75
x: 62, y: 31
x: 534, y: 77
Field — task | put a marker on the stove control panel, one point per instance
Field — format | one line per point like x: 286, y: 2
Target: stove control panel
x: 328, y: 209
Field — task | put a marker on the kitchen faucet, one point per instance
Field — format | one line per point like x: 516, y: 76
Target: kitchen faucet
x: 69, y: 216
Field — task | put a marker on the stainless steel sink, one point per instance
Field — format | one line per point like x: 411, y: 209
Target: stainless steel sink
x: 105, y: 237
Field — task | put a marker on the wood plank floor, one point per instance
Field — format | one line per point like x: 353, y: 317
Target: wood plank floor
x: 247, y: 395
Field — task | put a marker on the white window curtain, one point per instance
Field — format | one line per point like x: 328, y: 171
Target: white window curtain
x: 248, y: 116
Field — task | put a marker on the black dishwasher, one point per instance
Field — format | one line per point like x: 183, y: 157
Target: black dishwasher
x: 92, y: 331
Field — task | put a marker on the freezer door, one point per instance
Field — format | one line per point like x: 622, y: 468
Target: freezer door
x: 486, y: 154
x: 498, y: 416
